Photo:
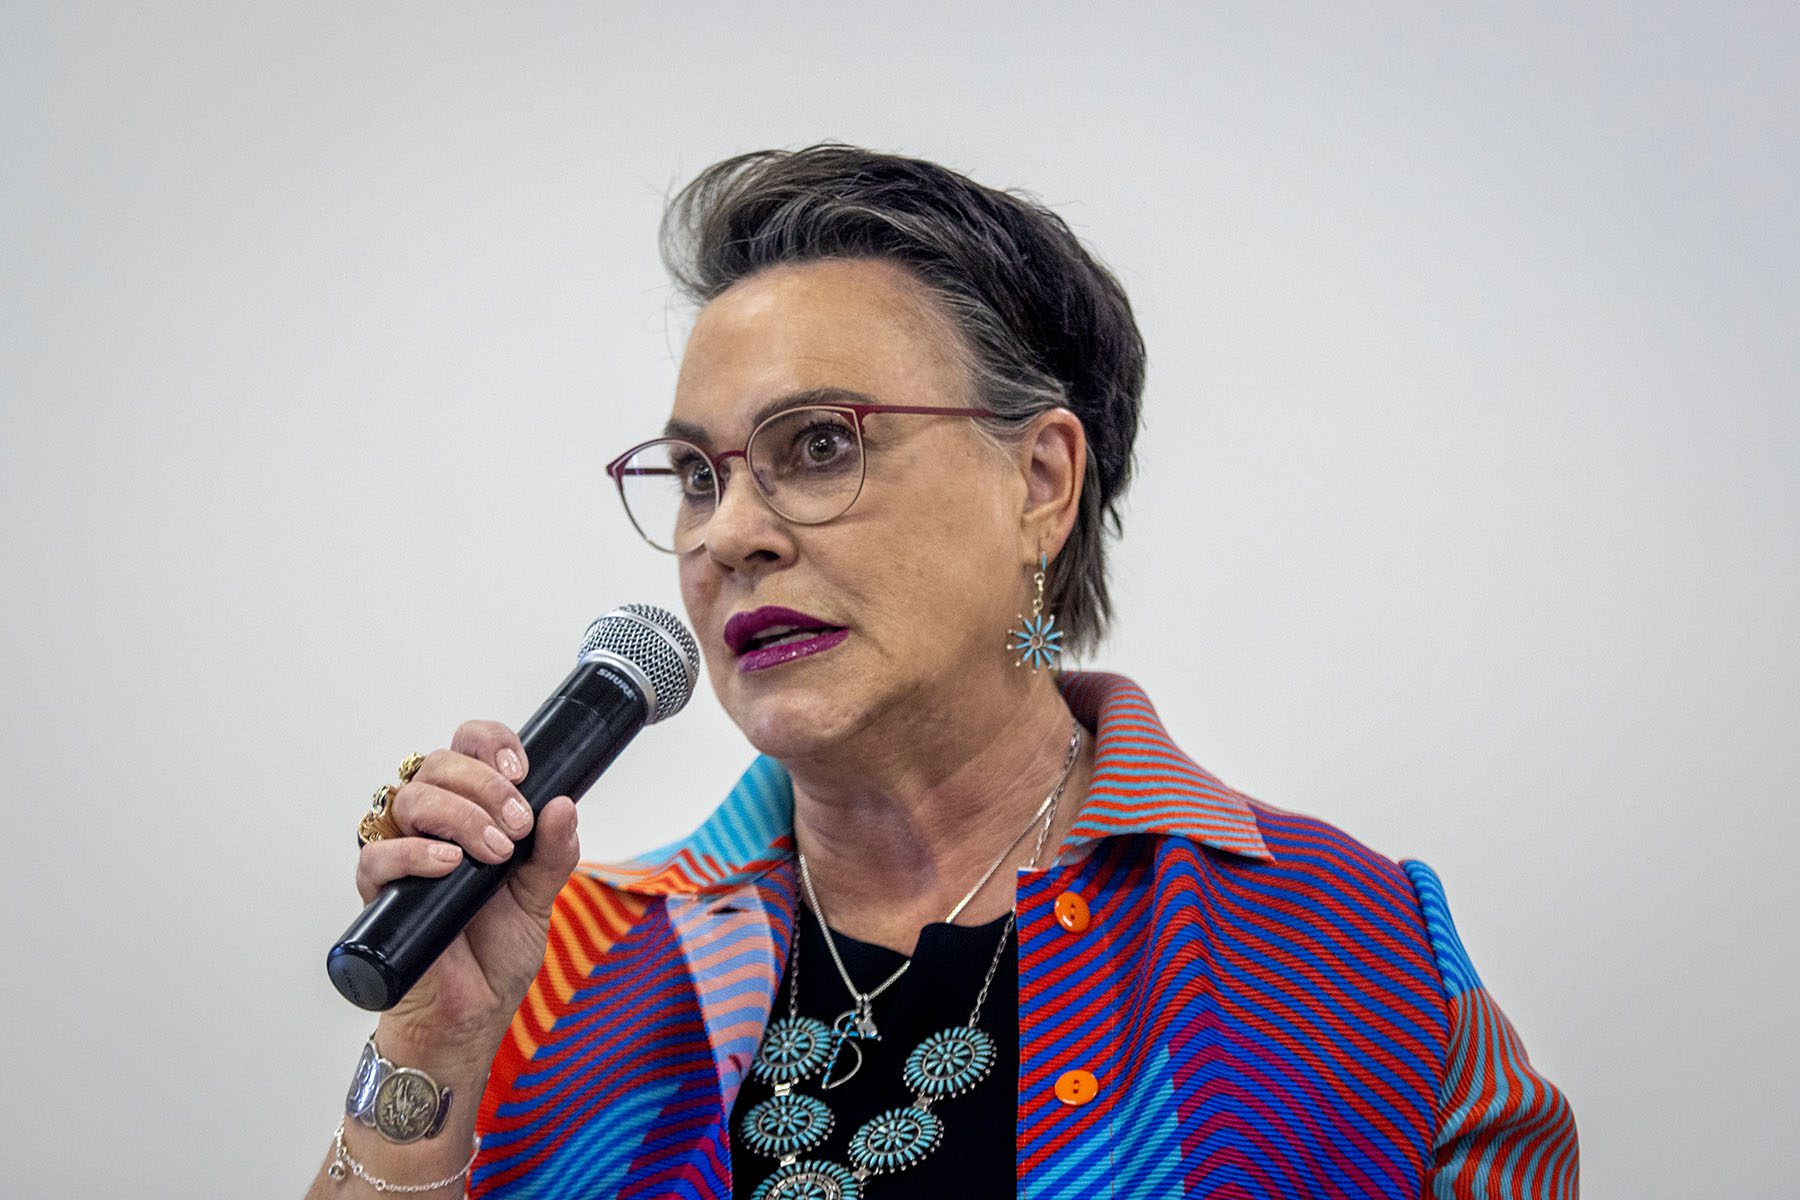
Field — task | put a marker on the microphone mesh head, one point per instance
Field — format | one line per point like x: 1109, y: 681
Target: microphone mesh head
x: 657, y: 644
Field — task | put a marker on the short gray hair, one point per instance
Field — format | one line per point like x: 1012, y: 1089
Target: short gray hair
x: 1046, y: 324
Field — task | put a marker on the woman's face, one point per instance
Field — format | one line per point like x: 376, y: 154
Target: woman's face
x: 925, y: 571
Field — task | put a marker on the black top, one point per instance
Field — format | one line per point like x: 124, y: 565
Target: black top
x: 976, y: 1157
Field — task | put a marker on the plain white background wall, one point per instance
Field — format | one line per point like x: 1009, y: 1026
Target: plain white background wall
x: 1466, y: 516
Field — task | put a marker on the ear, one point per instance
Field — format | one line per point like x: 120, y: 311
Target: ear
x: 1054, y: 462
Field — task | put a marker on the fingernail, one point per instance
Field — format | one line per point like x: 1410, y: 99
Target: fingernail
x: 445, y: 852
x: 498, y: 842
x: 509, y: 763
x: 516, y: 814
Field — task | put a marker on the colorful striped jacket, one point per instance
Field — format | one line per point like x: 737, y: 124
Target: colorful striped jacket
x: 1270, y: 1008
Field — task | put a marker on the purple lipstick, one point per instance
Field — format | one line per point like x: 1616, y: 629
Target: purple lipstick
x: 770, y: 636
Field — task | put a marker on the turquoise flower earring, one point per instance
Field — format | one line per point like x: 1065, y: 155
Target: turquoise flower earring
x: 1038, y: 642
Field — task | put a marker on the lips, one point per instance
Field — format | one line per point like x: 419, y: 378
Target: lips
x: 762, y: 627
x: 772, y: 635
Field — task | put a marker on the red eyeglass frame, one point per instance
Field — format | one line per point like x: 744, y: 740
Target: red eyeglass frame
x: 616, y: 468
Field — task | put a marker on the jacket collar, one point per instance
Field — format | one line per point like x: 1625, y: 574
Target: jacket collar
x: 1142, y: 784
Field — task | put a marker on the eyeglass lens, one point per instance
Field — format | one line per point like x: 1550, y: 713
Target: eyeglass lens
x: 806, y: 462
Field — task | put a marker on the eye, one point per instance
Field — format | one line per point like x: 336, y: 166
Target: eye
x: 804, y: 443
x: 825, y: 443
x: 695, y: 475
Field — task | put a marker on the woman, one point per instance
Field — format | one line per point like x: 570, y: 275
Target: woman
x: 969, y: 926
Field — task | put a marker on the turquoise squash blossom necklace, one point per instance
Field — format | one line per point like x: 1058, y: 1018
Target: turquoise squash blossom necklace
x: 950, y: 1062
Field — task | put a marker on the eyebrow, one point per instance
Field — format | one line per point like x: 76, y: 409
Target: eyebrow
x: 688, y: 432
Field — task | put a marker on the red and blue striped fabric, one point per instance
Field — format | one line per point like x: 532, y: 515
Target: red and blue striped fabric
x: 1270, y: 1008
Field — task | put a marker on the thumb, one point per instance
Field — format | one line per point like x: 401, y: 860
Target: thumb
x: 554, y: 853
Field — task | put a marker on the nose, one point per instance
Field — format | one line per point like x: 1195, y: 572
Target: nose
x: 743, y: 528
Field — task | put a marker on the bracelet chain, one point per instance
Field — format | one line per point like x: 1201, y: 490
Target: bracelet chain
x: 343, y: 1165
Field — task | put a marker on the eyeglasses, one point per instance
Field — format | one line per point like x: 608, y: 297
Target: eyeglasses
x: 806, y: 462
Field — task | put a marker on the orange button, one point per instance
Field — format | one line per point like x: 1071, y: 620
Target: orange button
x: 1072, y: 912
x: 1077, y: 1087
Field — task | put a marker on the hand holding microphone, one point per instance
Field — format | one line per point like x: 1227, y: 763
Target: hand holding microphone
x: 459, y: 905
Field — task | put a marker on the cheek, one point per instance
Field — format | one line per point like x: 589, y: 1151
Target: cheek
x: 960, y: 557
x: 699, y: 596
x: 955, y: 585
x: 693, y: 593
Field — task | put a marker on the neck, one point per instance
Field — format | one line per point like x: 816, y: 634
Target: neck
x: 896, y: 834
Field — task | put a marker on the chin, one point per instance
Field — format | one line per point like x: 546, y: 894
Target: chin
x: 788, y: 716
x: 793, y: 731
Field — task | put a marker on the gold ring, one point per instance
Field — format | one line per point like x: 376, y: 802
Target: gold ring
x: 410, y: 765
x: 378, y: 822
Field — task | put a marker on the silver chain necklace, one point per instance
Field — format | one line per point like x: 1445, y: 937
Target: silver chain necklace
x: 861, y: 1017
x: 946, y: 1064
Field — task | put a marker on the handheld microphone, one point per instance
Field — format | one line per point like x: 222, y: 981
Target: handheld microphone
x: 637, y: 665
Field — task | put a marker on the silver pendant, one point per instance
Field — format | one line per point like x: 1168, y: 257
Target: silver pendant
x: 847, y: 1030
x: 862, y: 1018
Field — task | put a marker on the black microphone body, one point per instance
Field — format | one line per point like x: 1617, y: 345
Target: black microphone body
x: 571, y: 739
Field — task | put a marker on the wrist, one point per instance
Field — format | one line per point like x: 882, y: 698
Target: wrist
x: 408, y: 1095
x: 455, y: 1059
x: 344, y: 1163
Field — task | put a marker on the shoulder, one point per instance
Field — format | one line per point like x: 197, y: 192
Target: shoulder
x: 1320, y: 853
x: 1145, y: 783
x: 1345, y: 881
x: 1327, y: 864
x: 1446, y: 945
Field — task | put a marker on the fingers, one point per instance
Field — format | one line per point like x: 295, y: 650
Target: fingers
x: 461, y: 800
x: 425, y: 809
x: 465, y: 800
x: 380, y: 863
x: 553, y: 857
x: 494, y: 744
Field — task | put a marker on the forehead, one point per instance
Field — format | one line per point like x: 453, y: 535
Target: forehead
x: 858, y: 325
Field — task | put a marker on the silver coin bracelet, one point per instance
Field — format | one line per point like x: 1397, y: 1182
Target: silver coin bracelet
x: 402, y: 1104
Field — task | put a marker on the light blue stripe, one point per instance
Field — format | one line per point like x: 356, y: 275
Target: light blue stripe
x: 1145, y: 1120
x: 1076, y: 1170
x: 757, y: 813
x: 1154, y: 810
x: 1131, y: 765
x: 1446, y: 946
